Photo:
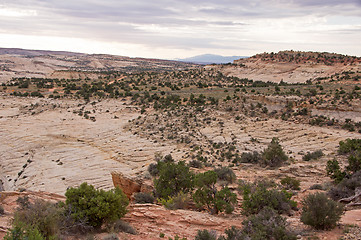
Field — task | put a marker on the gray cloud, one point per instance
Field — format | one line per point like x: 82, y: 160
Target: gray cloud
x: 178, y: 24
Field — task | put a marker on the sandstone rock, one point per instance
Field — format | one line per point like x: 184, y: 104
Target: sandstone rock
x: 127, y: 184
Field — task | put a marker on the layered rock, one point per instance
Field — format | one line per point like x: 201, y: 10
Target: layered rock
x: 129, y: 185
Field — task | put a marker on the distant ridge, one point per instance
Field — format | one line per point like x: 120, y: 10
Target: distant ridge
x: 211, y: 58
x: 29, y: 52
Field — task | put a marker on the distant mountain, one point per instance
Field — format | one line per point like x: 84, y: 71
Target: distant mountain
x: 27, y: 52
x: 211, y: 58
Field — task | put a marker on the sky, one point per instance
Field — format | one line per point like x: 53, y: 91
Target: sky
x: 172, y: 29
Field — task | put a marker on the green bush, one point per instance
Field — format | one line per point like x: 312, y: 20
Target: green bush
x: 209, y: 196
x: 354, y: 162
x: 348, y: 126
x: 321, y: 212
x: 195, y: 164
x: 96, y: 206
x: 256, y: 197
x: 316, y: 187
x: 206, y: 235
x: 153, y: 169
x: 180, y: 201
x: 2, y: 211
x: 349, y: 146
x: 225, y: 174
x: 346, y: 188
x: 41, y: 216
x: 232, y: 233
x: 23, y: 202
x: 121, y: 226
x: 251, y: 157
x: 290, y: 183
x: 143, y: 197
x: 312, y: 155
x: 273, y: 155
x: 173, y: 179
x: 334, y: 171
x: 262, y: 182
x: 23, y: 233
x: 267, y: 224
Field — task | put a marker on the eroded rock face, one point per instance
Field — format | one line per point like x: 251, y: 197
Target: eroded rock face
x: 127, y: 184
x: 47, y: 148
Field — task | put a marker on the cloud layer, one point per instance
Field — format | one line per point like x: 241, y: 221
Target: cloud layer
x: 171, y: 29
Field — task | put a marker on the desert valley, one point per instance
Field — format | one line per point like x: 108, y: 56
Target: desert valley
x: 197, y: 149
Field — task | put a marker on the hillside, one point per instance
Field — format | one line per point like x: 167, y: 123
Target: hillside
x: 27, y: 52
x: 15, y: 63
x: 125, y: 127
x: 291, y: 66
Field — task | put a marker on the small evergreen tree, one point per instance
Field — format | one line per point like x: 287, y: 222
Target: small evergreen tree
x: 209, y: 196
x: 273, y: 155
x: 321, y: 212
x: 173, y: 179
x: 96, y: 206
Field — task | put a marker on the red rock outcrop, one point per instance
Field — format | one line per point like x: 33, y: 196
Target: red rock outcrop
x: 129, y: 185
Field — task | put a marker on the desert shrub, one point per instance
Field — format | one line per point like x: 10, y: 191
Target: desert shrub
x: 225, y: 174
x: 256, y: 197
x: 251, y: 157
x: 349, y: 146
x: 232, y: 233
x: 173, y: 179
x: 112, y: 236
x: 354, y: 162
x: 23, y: 233
x: 346, y: 188
x: 36, y: 94
x: 40, y: 216
x: 252, y: 186
x: 23, y: 202
x: 209, y: 196
x: 273, y: 155
x: 348, y: 126
x: 94, y: 205
x: 180, y: 201
x: 206, y: 235
x: 316, y: 187
x: 312, y: 155
x: 195, y: 164
x: 121, y: 226
x: 153, y: 169
x: 143, y: 197
x: 290, y: 183
x: 267, y: 224
x: 2, y: 211
x: 176, y: 237
x: 321, y: 212
x: 334, y: 171
x: 168, y: 158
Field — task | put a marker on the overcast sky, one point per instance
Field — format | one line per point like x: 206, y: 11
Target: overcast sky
x: 182, y: 28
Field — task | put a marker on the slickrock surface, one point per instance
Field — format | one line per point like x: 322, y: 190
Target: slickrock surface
x: 45, y: 146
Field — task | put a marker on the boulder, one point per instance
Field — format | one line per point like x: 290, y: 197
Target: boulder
x: 127, y: 184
